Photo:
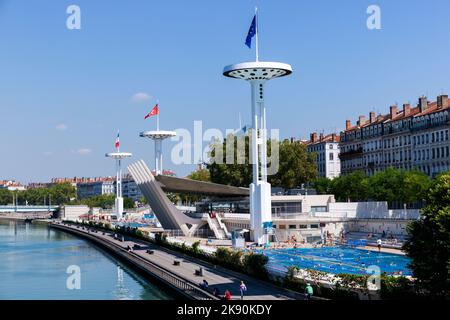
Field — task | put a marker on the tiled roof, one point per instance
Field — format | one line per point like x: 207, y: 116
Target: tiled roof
x: 432, y: 107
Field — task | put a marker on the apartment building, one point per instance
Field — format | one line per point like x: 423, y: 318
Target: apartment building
x: 410, y: 138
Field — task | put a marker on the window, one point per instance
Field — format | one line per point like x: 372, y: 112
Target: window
x: 331, y: 156
x: 292, y: 226
x: 303, y: 226
x: 314, y: 226
x: 318, y: 209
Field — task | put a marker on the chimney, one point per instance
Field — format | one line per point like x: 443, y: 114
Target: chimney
x: 393, y: 111
x: 333, y: 137
x: 321, y: 136
x: 362, y: 120
x: 372, y: 117
x: 313, y: 137
x: 442, y: 101
x: 347, y: 124
x: 423, y: 103
x: 406, y: 109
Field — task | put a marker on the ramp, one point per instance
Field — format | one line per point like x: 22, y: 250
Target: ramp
x: 168, y: 215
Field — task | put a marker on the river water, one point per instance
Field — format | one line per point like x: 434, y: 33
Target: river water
x: 39, y: 263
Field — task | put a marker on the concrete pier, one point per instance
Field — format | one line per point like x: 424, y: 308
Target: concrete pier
x: 161, y: 264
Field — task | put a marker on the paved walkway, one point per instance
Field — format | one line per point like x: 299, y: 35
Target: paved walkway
x: 217, y: 277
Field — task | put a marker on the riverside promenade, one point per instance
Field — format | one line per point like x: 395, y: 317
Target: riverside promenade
x: 217, y: 277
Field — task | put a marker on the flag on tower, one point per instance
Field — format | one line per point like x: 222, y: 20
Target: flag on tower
x: 154, y: 112
x: 117, y: 144
x: 251, y: 33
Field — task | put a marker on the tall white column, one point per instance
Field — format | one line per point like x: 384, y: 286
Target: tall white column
x: 260, y: 189
x: 158, y: 156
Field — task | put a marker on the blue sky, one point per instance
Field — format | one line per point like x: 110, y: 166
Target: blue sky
x: 64, y: 93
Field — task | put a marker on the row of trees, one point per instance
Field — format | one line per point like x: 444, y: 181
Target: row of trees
x: 391, y: 185
x: 56, y: 195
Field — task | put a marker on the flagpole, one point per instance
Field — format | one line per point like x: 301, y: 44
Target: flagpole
x: 157, y: 116
x: 257, y: 31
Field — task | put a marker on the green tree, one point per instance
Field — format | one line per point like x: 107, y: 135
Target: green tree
x: 5, y: 197
x: 105, y: 201
x: 322, y: 185
x: 429, y: 241
x: 128, y: 203
x: 296, y: 166
x: 386, y: 185
x: 200, y: 175
x: 352, y: 187
x: 415, y: 186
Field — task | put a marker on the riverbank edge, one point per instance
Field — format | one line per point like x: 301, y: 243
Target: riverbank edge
x: 136, y: 263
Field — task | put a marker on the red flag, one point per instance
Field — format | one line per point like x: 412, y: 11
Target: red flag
x: 154, y: 112
x: 117, y: 144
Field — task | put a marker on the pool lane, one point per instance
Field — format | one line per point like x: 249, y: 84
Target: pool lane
x: 338, y: 260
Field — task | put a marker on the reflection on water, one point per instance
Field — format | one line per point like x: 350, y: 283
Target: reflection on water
x: 34, y: 260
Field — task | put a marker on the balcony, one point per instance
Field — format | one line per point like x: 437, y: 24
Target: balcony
x: 351, y: 154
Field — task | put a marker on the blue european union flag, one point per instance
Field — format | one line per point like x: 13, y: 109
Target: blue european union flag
x: 251, y: 33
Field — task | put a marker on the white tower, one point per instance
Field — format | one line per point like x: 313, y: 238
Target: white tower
x: 257, y: 73
x: 158, y: 136
x: 118, y: 156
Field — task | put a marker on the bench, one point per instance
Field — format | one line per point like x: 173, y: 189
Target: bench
x: 150, y: 251
x: 176, y: 262
x: 199, y: 272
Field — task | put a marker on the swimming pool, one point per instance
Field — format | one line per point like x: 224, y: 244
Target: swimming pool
x: 337, y: 260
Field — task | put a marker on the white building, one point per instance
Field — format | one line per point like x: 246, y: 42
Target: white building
x: 327, y: 150
x: 74, y: 213
x: 308, y: 217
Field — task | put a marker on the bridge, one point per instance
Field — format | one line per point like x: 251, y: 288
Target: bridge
x: 28, y: 209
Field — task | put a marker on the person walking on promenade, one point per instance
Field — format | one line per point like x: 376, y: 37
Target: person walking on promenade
x: 227, y: 295
x: 379, y: 245
x: 242, y: 289
x: 309, y: 291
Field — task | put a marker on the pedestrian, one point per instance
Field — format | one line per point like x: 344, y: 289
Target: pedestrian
x: 227, y: 295
x: 379, y: 245
x: 242, y: 289
x: 308, y: 291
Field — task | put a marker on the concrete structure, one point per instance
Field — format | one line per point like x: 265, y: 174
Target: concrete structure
x: 118, y: 156
x: 327, y: 151
x: 168, y: 215
x: 309, y: 217
x: 411, y: 138
x: 27, y: 209
x: 74, y: 213
x: 257, y: 73
x: 183, y: 276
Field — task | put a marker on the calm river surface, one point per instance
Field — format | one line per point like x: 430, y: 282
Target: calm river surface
x: 34, y: 261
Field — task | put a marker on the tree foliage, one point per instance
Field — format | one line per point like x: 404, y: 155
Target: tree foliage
x: 391, y: 185
x: 56, y: 195
x: 200, y: 175
x: 295, y: 164
x: 429, y: 241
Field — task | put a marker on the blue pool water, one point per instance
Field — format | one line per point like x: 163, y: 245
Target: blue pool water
x: 337, y: 260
